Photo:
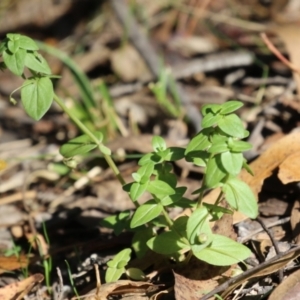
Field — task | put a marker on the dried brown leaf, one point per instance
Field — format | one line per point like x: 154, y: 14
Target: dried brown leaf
x: 289, y: 289
x: 121, y: 287
x: 289, y: 170
x: 10, y: 263
x: 17, y: 290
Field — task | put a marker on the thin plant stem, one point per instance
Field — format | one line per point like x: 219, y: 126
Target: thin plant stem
x: 219, y: 198
x: 84, y: 129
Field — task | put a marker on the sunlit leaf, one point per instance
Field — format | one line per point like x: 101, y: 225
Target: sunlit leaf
x: 37, y: 96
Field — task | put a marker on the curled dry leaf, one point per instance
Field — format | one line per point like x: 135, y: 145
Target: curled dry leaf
x: 289, y: 289
x: 198, y: 278
x: 121, y: 287
x: 18, y: 290
x: 289, y: 170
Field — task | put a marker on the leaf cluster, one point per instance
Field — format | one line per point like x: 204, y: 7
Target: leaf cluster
x: 218, y: 148
x: 19, y: 52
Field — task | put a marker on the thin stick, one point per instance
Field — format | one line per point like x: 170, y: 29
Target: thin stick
x: 277, y: 53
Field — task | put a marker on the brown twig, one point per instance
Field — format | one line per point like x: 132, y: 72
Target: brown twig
x: 274, y: 242
x: 278, y: 54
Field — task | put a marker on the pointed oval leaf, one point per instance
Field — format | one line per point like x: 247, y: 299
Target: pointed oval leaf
x: 145, y: 172
x: 215, y: 171
x: 113, y: 274
x: 175, y: 153
x: 137, y: 189
x: 15, y: 62
x: 27, y: 43
x: 215, y: 108
x: 210, y: 120
x: 37, y: 96
x: 232, y: 162
x: 223, y: 252
x: 150, y: 157
x: 139, y: 241
x: 230, y: 106
x: 36, y: 62
x: 145, y: 213
x: 197, y: 223
x: 158, y: 143
x: 239, y: 195
x: 240, y: 146
x: 198, y: 143
x: 232, y: 125
x: 80, y: 145
x: 13, y: 46
x: 123, y: 255
x: 218, y: 148
x: 167, y: 243
x: 158, y: 187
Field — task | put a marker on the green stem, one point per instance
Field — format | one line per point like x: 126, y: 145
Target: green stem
x: 168, y: 219
x: 85, y: 130
x: 219, y: 198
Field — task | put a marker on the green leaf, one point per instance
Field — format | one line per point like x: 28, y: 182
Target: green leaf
x: 199, y: 142
x: 223, y: 252
x: 239, y: 195
x: 15, y: 61
x: 218, y: 148
x: 158, y: 187
x: 215, y: 108
x: 172, y: 199
x: 210, y: 120
x: 232, y: 162
x: 136, y: 177
x: 180, y: 225
x: 198, y: 223
x: 198, y: 158
x: 230, y: 106
x: 167, y: 243
x: 158, y: 143
x: 137, y: 189
x: 28, y: 43
x: 13, y: 46
x: 240, y: 146
x: 232, y: 125
x: 113, y: 274
x: 37, y: 96
x: 145, y: 172
x: 105, y: 150
x: 13, y: 36
x: 80, y: 145
x: 118, y: 223
x: 175, y: 153
x: 247, y: 167
x: 149, y: 157
x: 216, y: 211
x: 125, y: 254
x: 135, y: 274
x: 215, y: 171
x: 35, y: 61
x: 145, y: 213
x: 121, y: 264
x: 139, y: 241
x: 117, y: 264
x: 183, y: 203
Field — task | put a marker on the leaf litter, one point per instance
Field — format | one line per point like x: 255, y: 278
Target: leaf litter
x: 73, y: 220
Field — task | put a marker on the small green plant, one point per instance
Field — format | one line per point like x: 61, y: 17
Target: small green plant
x: 218, y: 148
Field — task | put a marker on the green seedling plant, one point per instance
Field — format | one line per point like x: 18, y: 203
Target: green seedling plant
x: 218, y: 148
